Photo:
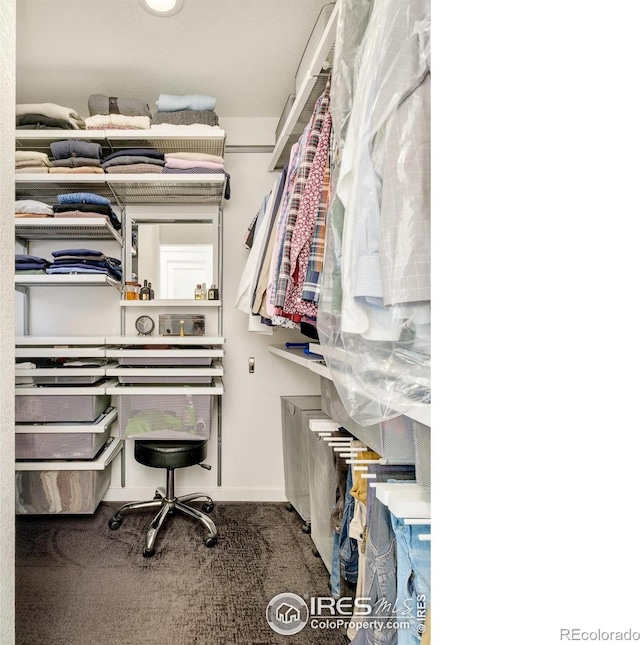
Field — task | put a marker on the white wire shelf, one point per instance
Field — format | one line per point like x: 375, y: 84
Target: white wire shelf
x: 66, y: 280
x: 72, y: 228
x: 152, y: 188
x: 216, y: 389
x: 98, y: 426
x: 310, y: 88
x: 158, y: 302
x: 209, y: 140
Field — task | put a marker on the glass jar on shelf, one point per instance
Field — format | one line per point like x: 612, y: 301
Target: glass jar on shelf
x: 131, y: 290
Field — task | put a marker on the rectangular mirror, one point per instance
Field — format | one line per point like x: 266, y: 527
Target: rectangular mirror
x: 175, y: 257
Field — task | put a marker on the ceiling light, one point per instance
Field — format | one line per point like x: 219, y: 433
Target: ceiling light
x: 162, y: 7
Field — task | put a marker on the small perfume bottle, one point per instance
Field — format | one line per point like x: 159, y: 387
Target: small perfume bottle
x: 212, y: 293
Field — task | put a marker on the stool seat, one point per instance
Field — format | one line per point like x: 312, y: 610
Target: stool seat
x: 170, y: 454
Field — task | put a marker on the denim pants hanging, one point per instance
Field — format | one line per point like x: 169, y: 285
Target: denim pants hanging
x: 380, y: 582
x: 414, y: 579
x: 348, y: 547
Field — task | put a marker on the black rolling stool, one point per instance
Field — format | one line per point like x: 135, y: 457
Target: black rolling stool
x: 170, y: 455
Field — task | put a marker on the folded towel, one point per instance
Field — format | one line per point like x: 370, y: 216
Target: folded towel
x: 78, y: 170
x: 117, y: 122
x: 102, y: 104
x: 173, y: 102
x: 75, y: 148
x: 172, y: 162
x: 186, y: 117
x: 51, y: 111
x: 194, y: 156
x: 32, y: 206
x: 31, y: 156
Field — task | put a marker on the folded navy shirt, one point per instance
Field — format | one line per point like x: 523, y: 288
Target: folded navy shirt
x: 136, y: 152
x: 75, y: 148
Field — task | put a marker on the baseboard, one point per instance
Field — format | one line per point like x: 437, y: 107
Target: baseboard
x: 222, y: 494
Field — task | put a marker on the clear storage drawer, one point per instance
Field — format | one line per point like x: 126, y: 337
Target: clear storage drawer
x: 164, y: 416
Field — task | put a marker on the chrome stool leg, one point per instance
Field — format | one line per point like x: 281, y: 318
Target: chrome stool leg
x: 210, y: 539
x: 154, y: 528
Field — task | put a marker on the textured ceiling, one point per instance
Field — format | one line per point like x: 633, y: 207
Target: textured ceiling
x: 243, y: 52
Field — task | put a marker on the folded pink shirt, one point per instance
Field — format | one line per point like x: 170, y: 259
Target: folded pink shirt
x: 172, y: 162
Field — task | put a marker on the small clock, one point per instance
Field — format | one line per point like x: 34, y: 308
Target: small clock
x: 145, y: 325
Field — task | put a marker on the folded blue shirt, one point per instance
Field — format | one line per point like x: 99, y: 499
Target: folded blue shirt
x: 76, y: 252
x: 173, y: 103
x: 83, y: 198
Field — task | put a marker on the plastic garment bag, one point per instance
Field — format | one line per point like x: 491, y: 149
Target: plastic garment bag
x: 374, y: 308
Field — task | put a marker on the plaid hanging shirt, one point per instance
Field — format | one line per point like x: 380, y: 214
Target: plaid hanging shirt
x: 307, y: 157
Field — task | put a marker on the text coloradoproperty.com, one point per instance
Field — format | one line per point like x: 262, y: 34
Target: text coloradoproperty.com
x: 598, y: 635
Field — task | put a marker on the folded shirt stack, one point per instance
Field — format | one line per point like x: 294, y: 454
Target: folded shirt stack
x: 71, y: 261
x: 196, y: 163
x: 134, y: 160
x: 117, y: 122
x: 76, y: 156
x: 48, y: 116
x: 85, y: 205
x: 29, y: 161
x: 25, y: 381
x: 28, y: 264
x: 103, y: 104
x: 186, y: 109
x: 32, y: 208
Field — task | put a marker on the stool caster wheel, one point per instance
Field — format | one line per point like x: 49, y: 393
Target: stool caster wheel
x: 207, y: 508
x: 306, y: 527
x: 289, y: 507
x: 157, y: 495
x: 315, y: 552
x: 147, y: 553
x: 210, y: 540
x: 115, y: 522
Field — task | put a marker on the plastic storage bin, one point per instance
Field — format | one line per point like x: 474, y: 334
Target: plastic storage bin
x: 65, y: 487
x: 296, y: 412
x: 36, y: 408
x: 164, y: 416
x: 391, y: 439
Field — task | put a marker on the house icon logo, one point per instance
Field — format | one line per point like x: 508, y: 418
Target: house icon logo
x: 287, y: 614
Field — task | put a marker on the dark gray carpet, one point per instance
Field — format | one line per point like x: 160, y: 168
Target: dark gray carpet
x: 78, y: 582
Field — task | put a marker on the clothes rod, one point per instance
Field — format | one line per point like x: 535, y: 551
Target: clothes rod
x: 248, y: 149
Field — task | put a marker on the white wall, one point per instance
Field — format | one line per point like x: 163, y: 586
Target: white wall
x: 7, y: 197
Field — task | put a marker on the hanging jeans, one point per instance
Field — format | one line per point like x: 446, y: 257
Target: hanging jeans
x: 348, y: 547
x: 414, y: 579
x: 380, y: 582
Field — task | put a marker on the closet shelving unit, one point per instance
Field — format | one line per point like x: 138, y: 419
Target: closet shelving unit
x: 122, y: 190
x: 311, y: 80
